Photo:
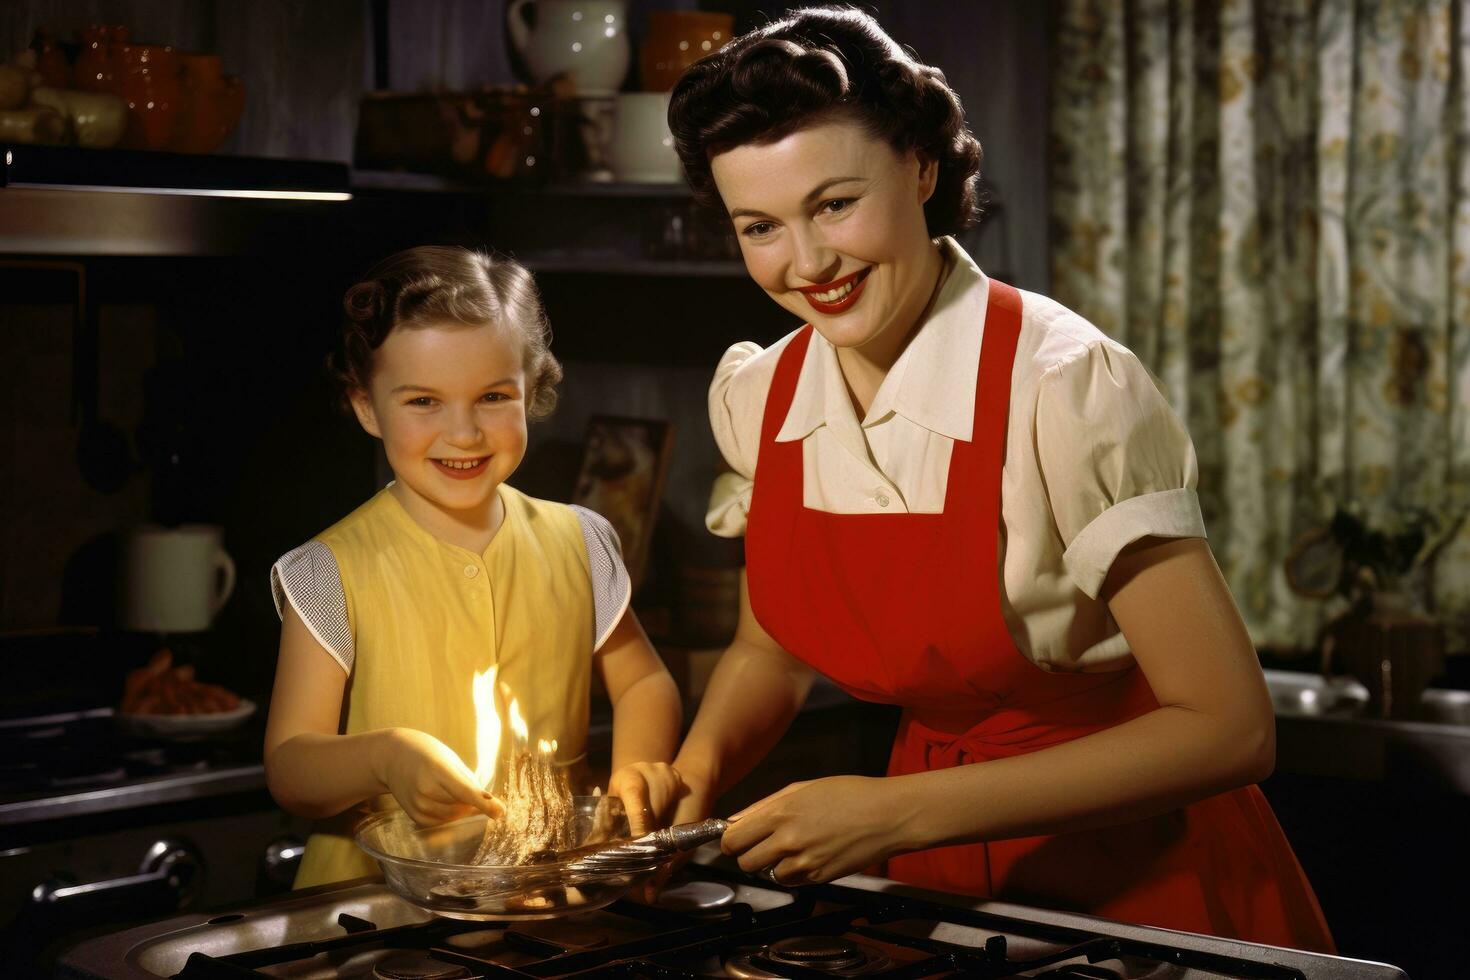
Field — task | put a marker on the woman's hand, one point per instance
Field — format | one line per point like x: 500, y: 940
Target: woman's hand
x: 820, y: 830
x: 431, y: 782
x: 649, y: 791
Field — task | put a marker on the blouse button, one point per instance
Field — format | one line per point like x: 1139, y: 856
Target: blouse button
x: 470, y: 571
x: 881, y: 496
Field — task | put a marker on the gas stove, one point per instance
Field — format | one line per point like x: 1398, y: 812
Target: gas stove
x: 719, y: 923
x: 101, y: 827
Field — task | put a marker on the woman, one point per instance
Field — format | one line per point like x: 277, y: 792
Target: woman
x: 967, y: 501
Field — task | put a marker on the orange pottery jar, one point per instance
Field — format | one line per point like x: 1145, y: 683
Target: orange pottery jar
x: 212, y: 104
x: 677, y: 39
x: 97, y: 68
x: 153, y: 93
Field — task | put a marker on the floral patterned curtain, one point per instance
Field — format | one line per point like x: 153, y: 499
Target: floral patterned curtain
x: 1270, y: 204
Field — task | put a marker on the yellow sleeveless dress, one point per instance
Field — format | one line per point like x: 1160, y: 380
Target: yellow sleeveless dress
x: 426, y: 616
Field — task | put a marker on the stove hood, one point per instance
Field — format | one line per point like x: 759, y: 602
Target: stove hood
x: 69, y: 201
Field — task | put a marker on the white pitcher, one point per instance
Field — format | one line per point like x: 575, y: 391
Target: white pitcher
x: 585, y: 38
x: 174, y: 579
x: 642, y: 148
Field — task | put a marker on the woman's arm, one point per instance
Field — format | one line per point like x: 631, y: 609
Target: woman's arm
x: 314, y: 772
x: 756, y: 690
x: 647, y: 715
x: 1214, y: 730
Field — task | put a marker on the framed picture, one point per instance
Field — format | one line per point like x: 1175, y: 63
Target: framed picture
x: 621, y: 477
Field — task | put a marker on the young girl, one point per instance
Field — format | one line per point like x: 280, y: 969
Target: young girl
x: 388, y: 615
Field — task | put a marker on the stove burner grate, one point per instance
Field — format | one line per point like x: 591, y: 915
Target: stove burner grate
x: 825, y: 931
x: 826, y: 952
x: 830, y: 955
x: 1080, y: 972
x: 417, y: 966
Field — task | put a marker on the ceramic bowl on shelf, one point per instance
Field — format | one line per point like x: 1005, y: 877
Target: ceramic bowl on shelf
x: 98, y: 119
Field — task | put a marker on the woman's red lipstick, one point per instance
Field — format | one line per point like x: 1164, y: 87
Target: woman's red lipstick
x: 842, y: 304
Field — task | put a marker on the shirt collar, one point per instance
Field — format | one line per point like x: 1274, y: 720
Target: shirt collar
x: 821, y: 394
x: 932, y: 384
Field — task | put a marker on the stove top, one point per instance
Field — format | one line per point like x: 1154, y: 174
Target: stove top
x: 60, y: 736
x: 57, y: 756
x: 719, y: 924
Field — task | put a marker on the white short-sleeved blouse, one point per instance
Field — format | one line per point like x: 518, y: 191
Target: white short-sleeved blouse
x: 307, y: 578
x: 1095, y: 457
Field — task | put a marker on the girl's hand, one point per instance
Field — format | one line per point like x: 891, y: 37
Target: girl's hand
x: 431, y: 782
x: 649, y: 791
x: 695, y: 802
x: 820, y: 830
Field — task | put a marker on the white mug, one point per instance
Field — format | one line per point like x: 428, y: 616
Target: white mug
x: 642, y: 148
x: 174, y: 579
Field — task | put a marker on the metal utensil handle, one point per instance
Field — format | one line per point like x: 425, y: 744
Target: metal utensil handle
x: 646, y: 851
x: 688, y: 836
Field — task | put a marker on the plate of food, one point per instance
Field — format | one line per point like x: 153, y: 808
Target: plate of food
x: 164, y: 700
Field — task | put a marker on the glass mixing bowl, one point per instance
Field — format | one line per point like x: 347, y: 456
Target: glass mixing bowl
x: 429, y: 866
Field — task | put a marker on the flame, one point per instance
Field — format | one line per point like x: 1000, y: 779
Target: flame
x: 489, y: 696
x: 517, y: 723
x: 487, y: 727
x: 534, y: 789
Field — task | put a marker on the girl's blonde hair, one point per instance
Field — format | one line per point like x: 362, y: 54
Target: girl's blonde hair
x: 432, y: 284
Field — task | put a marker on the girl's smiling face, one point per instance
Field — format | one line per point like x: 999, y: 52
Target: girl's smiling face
x: 830, y: 222
x: 448, y: 401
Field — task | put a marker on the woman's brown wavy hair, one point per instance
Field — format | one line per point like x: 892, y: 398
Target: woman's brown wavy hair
x: 814, y: 65
x: 431, y: 285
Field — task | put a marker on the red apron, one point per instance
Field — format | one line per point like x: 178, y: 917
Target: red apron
x: 905, y: 609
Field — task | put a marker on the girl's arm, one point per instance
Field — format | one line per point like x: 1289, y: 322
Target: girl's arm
x: 314, y: 772
x: 1214, y: 730
x: 647, y: 715
x: 756, y: 690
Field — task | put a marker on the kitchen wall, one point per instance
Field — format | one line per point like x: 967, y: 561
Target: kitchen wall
x: 50, y: 513
x: 213, y: 409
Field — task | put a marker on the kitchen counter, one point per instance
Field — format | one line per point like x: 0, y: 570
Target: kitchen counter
x: 1321, y: 731
x: 172, y: 788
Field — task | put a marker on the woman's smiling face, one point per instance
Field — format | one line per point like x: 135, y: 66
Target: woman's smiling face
x: 449, y: 404
x: 830, y: 222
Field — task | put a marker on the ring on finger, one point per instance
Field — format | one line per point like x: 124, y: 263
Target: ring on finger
x: 770, y: 875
